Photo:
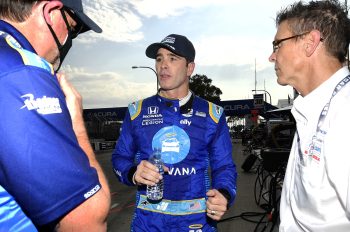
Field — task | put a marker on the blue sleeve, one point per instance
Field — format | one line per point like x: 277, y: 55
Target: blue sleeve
x: 123, y: 157
x: 42, y: 164
x: 224, y: 173
x: 12, y: 218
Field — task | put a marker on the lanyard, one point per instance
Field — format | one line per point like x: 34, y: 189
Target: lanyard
x: 317, y: 139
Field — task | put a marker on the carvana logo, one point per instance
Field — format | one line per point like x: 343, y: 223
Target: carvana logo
x: 173, y: 142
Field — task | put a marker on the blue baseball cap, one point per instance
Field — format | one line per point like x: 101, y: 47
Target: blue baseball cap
x: 77, y: 7
x: 177, y: 44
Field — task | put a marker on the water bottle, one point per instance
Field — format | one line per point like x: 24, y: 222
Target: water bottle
x: 155, y: 193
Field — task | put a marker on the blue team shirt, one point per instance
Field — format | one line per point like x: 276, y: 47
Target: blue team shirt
x: 42, y: 164
x: 12, y: 217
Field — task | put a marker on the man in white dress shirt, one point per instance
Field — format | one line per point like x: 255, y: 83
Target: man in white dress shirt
x: 309, y: 53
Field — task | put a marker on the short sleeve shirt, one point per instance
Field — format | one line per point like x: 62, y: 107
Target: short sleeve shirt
x: 42, y: 164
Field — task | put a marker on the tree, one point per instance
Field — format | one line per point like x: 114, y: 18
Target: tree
x: 202, y: 87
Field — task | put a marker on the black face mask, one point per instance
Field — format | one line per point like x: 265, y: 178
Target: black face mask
x: 62, y: 48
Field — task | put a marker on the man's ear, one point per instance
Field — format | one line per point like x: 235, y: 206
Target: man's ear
x: 48, y: 10
x: 190, y: 68
x: 312, y: 39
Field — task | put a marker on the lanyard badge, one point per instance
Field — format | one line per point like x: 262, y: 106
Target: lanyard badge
x: 316, y: 147
x: 313, y: 154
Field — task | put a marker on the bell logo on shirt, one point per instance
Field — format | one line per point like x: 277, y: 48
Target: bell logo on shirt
x: 44, y: 105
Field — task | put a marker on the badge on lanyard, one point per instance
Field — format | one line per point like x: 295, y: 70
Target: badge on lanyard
x: 315, y: 153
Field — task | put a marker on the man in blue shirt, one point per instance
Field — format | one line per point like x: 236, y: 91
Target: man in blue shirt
x: 47, y: 164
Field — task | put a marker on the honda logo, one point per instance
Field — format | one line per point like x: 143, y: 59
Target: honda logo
x: 153, y: 110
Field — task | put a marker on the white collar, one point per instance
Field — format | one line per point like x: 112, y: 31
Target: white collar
x: 184, y: 100
x: 312, y: 104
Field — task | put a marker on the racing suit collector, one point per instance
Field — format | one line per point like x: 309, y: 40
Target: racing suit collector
x: 193, y: 136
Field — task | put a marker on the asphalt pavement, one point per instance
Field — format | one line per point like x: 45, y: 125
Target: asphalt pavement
x: 243, y: 216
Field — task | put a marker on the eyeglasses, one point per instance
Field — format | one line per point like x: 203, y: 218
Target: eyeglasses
x: 277, y: 43
x: 74, y: 31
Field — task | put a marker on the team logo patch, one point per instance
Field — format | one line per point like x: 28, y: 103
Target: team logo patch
x: 169, y: 40
x: 218, y: 110
x: 153, y: 117
x: 135, y: 109
x: 44, y: 105
x: 215, y: 112
x: 153, y: 110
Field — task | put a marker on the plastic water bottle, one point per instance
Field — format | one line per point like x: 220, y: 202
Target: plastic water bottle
x: 155, y: 192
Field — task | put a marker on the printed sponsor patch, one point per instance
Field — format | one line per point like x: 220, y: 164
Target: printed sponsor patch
x: 201, y: 114
x: 174, y: 143
x: 135, y: 109
x: 44, y: 105
x: 195, y: 206
x: 196, y: 226
x: 215, y: 112
x: 92, y: 191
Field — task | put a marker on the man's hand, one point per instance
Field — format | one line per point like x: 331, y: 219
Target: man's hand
x: 147, y: 173
x: 216, y: 204
x: 91, y: 215
x: 74, y: 104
